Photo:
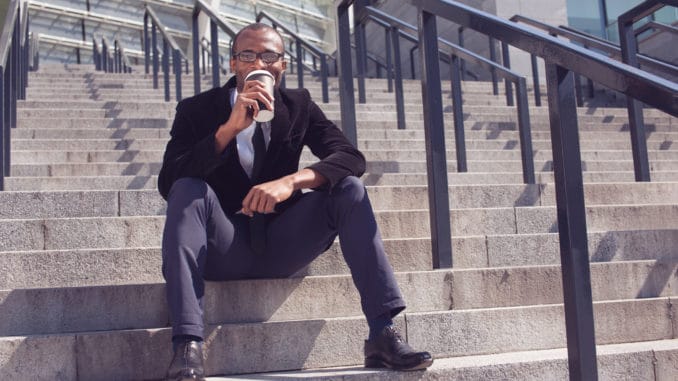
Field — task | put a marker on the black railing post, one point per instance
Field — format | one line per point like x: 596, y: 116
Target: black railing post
x: 535, y: 80
x: 400, y: 98
x: 361, y: 60
x: 346, y: 95
x: 28, y: 48
x: 166, y: 68
x: 434, y: 131
x: 104, y: 56
x: 4, y: 131
x: 154, y: 48
x: 412, y: 70
x: 577, y: 90
x: 300, y: 64
x: 214, y: 36
x: 459, y: 138
x: 14, y: 57
x: 571, y: 210
x: 176, y: 60
x: 196, y: 52
x: 462, y: 63
x: 7, y: 115
x: 506, y: 60
x: 323, y: 77
x: 493, y: 71
x: 629, y: 49
x: 147, y: 48
x: 525, y: 132
x: 389, y: 60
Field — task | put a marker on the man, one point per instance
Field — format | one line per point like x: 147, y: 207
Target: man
x: 235, y: 208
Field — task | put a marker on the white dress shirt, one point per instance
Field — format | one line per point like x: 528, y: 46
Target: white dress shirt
x: 244, y: 140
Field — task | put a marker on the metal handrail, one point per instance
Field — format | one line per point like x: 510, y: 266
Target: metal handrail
x: 629, y: 52
x: 657, y: 26
x: 178, y: 57
x: 562, y: 60
x: 301, y: 45
x: 593, y: 42
x: 13, y: 78
x: 454, y: 54
x: 215, y: 22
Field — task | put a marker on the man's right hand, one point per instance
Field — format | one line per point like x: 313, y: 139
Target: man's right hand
x: 242, y: 113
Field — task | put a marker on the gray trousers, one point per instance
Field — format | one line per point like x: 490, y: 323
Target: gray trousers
x: 201, y: 243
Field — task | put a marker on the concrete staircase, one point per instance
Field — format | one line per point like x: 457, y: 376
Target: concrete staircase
x: 82, y: 296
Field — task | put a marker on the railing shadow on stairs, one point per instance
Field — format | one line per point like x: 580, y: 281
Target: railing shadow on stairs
x: 562, y: 59
x: 15, y: 47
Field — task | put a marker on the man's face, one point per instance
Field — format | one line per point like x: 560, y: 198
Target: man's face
x: 258, y: 41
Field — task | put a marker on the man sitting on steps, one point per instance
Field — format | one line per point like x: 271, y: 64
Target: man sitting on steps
x: 235, y: 209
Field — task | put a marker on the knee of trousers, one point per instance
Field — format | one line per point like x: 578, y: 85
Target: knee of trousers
x: 188, y: 189
x: 349, y: 191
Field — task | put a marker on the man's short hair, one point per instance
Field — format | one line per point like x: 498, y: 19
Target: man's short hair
x: 254, y: 27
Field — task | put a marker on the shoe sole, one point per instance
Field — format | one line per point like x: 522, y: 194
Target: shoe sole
x: 380, y: 363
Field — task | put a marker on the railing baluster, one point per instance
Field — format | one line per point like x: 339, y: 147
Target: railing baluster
x: 535, y: 80
x: 506, y: 59
x: 459, y: 139
x: 166, y: 68
x: 434, y: 131
x: 400, y: 98
x: 574, y: 254
x: 346, y: 95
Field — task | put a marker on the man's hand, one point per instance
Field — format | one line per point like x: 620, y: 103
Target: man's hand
x: 264, y: 197
x: 243, y: 112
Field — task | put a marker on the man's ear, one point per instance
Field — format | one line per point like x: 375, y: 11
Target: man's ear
x: 232, y: 64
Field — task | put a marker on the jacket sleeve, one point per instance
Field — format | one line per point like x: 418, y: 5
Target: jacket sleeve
x: 188, y: 153
x: 338, y: 157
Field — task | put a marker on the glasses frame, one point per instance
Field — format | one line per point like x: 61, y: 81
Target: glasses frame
x: 258, y: 56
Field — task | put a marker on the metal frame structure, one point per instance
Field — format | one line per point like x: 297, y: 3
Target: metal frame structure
x: 393, y: 27
x: 563, y: 59
x: 215, y: 22
x: 302, y: 46
x: 178, y: 57
x: 14, y: 56
x: 629, y: 52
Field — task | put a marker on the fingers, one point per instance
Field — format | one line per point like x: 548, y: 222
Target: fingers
x: 258, y: 200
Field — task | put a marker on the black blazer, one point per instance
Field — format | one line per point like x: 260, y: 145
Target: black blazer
x: 298, y: 121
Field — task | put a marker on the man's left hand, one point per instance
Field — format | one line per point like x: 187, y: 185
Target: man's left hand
x: 264, y: 197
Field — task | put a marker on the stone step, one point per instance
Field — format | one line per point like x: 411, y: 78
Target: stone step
x: 33, y: 311
x: 648, y: 360
x: 158, y: 144
x: 150, y: 182
x: 330, y: 342
x: 146, y: 231
x: 91, y: 267
x: 69, y: 204
x: 373, y: 166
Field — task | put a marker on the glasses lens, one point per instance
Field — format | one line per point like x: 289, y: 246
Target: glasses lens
x: 247, y: 56
x: 269, y: 57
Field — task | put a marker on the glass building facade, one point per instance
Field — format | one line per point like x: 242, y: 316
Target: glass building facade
x: 599, y: 17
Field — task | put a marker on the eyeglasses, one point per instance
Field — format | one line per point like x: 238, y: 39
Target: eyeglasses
x: 250, y: 56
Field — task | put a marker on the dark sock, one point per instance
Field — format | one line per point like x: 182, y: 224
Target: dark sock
x: 378, y: 324
x: 178, y: 339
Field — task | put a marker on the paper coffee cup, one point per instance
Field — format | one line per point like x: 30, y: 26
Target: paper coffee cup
x: 264, y: 115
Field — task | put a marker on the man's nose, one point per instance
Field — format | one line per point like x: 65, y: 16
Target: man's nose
x: 259, y: 63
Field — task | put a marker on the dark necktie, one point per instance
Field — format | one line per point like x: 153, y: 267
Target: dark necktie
x: 258, y: 221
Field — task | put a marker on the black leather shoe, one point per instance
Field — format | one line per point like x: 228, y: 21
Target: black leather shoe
x: 391, y: 351
x: 187, y: 362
